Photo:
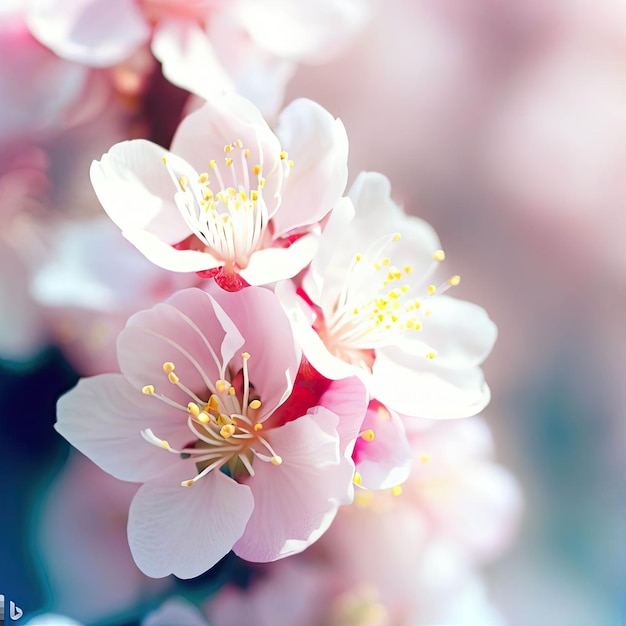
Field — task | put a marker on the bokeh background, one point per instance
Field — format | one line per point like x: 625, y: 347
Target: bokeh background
x: 503, y: 124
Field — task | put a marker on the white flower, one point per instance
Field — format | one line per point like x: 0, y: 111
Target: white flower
x: 369, y: 308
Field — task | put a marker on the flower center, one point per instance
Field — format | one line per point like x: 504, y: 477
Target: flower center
x: 378, y: 303
x: 224, y: 208
x: 225, y: 429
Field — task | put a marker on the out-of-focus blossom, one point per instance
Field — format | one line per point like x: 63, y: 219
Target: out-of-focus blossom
x: 206, y: 46
x: 82, y: 527
x: 368, y: 307
x: 283, y: 473
x: 229, y: 200
x: 90, y: 284
x: 175, y: 611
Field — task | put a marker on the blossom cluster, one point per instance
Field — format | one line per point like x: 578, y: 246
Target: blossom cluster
x: 268, y: 350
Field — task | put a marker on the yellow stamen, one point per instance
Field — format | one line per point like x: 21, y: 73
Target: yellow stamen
x: 256, y: 170
x: 204, y: 418
x: 148, y: 390
x: 431, y: 290
x: 258, y: 427
x: 357, y: 480
x: 168, y: 367
x: 194, y: 409
x: 276, y: 460
x: 439, y: 255
x: 425, y: 458
x: 255, y: 404
x: 283, y: 155
x: 368, y: 435
x: 222, y: 385
x: 227, y: 430
x: 397, y: 490
x: 173, y: 378
x: 454, y: 280
x: 186, y: 483
x: 431, y: 355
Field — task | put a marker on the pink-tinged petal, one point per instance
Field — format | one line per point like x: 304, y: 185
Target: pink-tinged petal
x: 384, y: 461
x: 103, y: 417
x: 347, y: 398
x: 203, y: 134
x: 435, y: 392
x: 186, y: 530
x: 460, y: 333
x: 135, y: 189
x: 169, y: 258
x: 318, y: 145
x: 188, y: 58
x: 308, y: 340
x: 99, y: 33
x: 273, y: 264
x: 295, y: 502
x: 187, y: 330
x: 274, y: 358
x: 175, y: 611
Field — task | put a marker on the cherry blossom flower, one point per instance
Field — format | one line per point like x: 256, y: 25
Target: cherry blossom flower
x: 367, y: 306
x: 202, y: 415
x: 245, y: 217
x: 205, y: 46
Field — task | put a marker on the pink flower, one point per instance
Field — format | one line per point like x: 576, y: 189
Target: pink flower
x: 367, y: 307
x: 229, y: 199
x: 221, y: 467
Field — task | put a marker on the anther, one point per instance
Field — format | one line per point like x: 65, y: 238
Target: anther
x: 454, y: 280
x: 227, y: 430
x: 425, y: 458
x: 431, y: 290
x: 357, y: 480
x: 397, y: 237
x: 148, y: 390
x: 255, y: 404
x: 194, y: 409
x: 397, y: 490
x: 245, y: 356
x: 222, y: 385
x: 168, y: 367
x: 173, y: 378
x: 204, y: 418
x: 439, y: 255
x: 186, y: 483
x: 283, y: 155
x: 431, y: 355
x: 367, y: 435
x: 276, y: 460
x: 256, y: 170
x: 258, y: 427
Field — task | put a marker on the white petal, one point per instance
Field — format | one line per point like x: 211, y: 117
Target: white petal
x: 99, y: 33
x: 186, y: 530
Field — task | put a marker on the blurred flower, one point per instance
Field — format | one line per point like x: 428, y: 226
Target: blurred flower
x: 366, y: 307
x: 263, y: 483
x: 248, y: 220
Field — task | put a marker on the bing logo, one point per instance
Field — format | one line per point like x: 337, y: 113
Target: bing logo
x: 14, y: 611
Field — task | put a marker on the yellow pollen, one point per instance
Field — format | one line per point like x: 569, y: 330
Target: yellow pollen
x: 255, y: 404
x: 408, y: 269
x: 224, y: 419
x: 425, y: 458
x: 261, y: 182
x: 186, y: 483
x: 397, y: 490
x: 290, y: 163
x: 454, y: 280
x: 228, y: 148
x: 276, y: 460
x: 204, y: 418
x: 212, y: 164
x: 439, y: 255
x: 165, y: 444
x: 283, y: 155
x: 357, y: 480
x: 256, y: 170
x: 227, y: 431
x: 238, y: 143
x: 358, y: 257
x: 203, y: 178
x: 222, y: 385
x: 231, y: 391
x: 172, y: 378
x: 386, y: 261
x: 213, y: 403
x: 183, y: 183
x: 368, y: 435
x: 431, y: 290
x: 246, y: 153
x: 148, y: 390
x: 194, y: 409
x: 245, y: 356
x: 254, y: 195
x: 164, y: 159
x: 168, y: 367
x: 228, y: 162
x: 258, y: 427
x: 431, y: 355
x: 397, y: 237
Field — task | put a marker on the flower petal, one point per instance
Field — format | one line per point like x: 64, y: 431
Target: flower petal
x: 136, y: 190
x: 318, y: 145
x: 175, y: 611
x: 294, y: 503
x: 103, y: 417
x: 186, y: 530
x: 187, y: 330
x: 99, y: 33
x: 435, y: 392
